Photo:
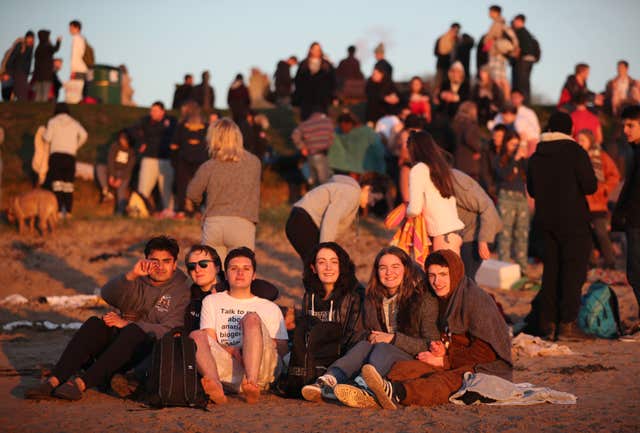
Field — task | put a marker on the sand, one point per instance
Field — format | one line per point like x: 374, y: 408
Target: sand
x: 603, y: 374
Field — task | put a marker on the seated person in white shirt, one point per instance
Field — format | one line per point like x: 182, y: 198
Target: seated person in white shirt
x: 242, y: 337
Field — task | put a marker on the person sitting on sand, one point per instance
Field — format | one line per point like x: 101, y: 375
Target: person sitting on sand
x: 242, y: 337
x: 400, y: 317
x: 475, y: 338
x: 151, y: 297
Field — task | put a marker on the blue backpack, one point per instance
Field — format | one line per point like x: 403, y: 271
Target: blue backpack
x: 599, y: 314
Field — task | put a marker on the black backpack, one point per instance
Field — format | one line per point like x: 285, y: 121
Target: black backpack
x: 173, y: 378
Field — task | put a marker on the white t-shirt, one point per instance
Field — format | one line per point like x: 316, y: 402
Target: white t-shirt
x: 222, y: 312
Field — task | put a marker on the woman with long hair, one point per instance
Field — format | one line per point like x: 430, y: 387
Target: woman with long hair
x: 419, y: 102
x: 399, y: 319
x: 431, y: 193
x: 231, y: 181
x: 315, y: 83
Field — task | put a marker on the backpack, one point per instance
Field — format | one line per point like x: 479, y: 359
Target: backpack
x: 89, y: 57
x: 599, y: 314
x: 535, y: 49
x: 173, y: 377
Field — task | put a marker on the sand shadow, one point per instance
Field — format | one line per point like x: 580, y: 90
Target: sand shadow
x: 55, y: 267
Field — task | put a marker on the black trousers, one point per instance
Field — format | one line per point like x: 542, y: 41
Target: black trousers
x: 566, y: 260
x: 470, y: 258
x: 104, y: 349
x: 521, y: 78
x: 184, y: 173
x: 302, y: 232
x: 62, y: 172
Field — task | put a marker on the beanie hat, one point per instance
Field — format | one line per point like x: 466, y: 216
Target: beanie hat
x: 560, y: 122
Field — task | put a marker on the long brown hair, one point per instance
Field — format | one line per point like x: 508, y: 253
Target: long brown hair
x: 423, y: 148
x: 506, y: 156
x: 410, y: 285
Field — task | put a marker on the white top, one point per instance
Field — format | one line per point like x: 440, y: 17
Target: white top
x: 527, y: 124
x: 64, y: 134
x: 440, y: 213
x: 388, y: 126
x: 78, y: 46
x: 222, y: 312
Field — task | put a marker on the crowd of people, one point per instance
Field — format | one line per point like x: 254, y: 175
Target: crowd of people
x: 421, y: 322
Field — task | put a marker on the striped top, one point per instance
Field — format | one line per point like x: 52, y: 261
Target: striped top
x: 315, y: 134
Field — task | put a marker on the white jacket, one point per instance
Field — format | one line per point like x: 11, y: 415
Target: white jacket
x: 78, y: 45
x: 440, y: 213
x: 64, y: 134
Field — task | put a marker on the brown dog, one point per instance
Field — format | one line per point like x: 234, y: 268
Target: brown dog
x: 35, y: 203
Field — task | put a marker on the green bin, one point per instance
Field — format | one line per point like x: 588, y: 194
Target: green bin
x: 104, y: 84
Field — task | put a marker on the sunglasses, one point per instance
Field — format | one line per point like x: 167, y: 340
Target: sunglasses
x: 191, y: 266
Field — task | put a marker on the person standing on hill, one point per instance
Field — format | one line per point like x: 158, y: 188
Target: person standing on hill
x: 527, y: 54
x: 183, y: 92
x: 445, y: 51
x: 18, y: 66
x: 65, y: 135
x: 204, y: 94
x: 315, y: 83
x: 43, y: 70
x: 79, y: 68
x: 283, y: 81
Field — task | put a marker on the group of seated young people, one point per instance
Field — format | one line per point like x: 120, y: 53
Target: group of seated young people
x: 407, y: 338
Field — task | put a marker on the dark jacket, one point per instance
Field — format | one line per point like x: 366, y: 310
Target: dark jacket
x: 571, y: 90
x: 191, y: 141
x: 348, y: 69
x: 282, y: 79
x: 314, y: 89
x: 377, y: 107
x: 467, y: 142
x: 510, y: 176
x: 385, y: 66
x: 43, y: 69
x: 627, y: 211
x: 347, y: 310
x: 204, y: 95
x: 450, y: 108
x: 158, y: 308
x: 488, y: 106
x: 416, y: 322
x: 526, y: 42
x: 155, y: 135
x: 120, y: 161
x: 183, y: 93
x: 260, y: 288
x: 559, y: 177
x: 19, y: 61
x: 238, y: 100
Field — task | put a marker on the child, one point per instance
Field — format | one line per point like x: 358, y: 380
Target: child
x: 511, y: 167
x: 120, y: 164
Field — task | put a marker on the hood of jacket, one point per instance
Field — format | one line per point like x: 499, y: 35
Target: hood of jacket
x: 43, y: 35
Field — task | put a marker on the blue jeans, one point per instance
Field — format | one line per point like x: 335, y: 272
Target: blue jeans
x: 633, y: 260
x: 381, y: 355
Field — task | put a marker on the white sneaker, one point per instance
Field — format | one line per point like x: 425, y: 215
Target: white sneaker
x: 354, y: 396
x: 322, y: 388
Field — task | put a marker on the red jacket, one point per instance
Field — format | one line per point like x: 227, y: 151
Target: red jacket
x: 598, y: 200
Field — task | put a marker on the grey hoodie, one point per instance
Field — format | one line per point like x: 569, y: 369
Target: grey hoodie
x: 332, y: 206
x: 158, y: 308
x: 65, y: 134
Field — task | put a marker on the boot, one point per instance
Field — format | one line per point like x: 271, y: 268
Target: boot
x: 572, y: 332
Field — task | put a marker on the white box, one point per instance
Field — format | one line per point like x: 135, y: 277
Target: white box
x: 497, y: 274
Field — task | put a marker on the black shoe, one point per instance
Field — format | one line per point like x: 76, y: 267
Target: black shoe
x: 572, y: 332
x: 68, y: 391
x: 44, y: 391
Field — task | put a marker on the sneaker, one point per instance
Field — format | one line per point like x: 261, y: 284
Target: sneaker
x: 381, y: 388
x: 323, y: 387
x: 44, y: 391
x: 68, y: 391
x: 354, y: 396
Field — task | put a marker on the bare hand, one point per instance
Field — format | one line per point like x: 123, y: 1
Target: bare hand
x: 429, y: 358
x: 437, y: 349
x: 113, y: 319
x: 143, y: 147
x: 483, y: 250
x: 142, y: 268
x: 380, y: 337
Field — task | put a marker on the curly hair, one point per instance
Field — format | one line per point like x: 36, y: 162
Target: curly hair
x: 347, y: 280
x: 411, y: 280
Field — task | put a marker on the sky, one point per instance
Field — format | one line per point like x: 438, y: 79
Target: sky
x: 161, y: 40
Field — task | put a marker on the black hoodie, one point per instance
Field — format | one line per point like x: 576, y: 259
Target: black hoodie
x: 559, y: 176
x: 43, y: 70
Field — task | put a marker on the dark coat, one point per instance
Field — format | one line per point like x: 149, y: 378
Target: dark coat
x: 19, y: 62
x: 450, y: 108
x: 183, y: 93
x: 468, y: 146
x: 377, y: 107
x: 627, y: 212
x: 191, y: 139
x: 282, y: 79
x: 43, y: 69
x: 204, y: 95
x: 314, y: 89
x: 155, y: 135
x: 349, y: 69
x: 559, y: 177
x: 238, y: 101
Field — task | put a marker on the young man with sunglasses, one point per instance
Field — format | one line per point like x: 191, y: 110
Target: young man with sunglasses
x: 151, y: 298
x: 241, y: 336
